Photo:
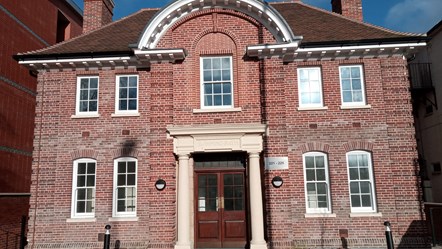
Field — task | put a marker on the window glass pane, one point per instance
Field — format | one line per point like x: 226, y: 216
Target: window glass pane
x: 364, y: 175
x: 123, y: 81
x: 131, y: 167
x: 309, y: 162
x: 216, y: 63
x: 320, y: 162
x: 239, y: 192
x: 81, y: 207
x: 354, y: 173
x: 226, y: 63
x: 228, y: 179
x: 91, y: 168
x: 357, y: 96
x: 90, y: 193
x: 320, y: 175
x: 352, y: 160
x: 84, y: 94
x: 365, y: 187
x: 121, y: 193
x: 84, y: 83
x: 347, y: 96
x: 132, y: 93
x: 366, y: 200
x: 355, y: 72
x: 207, y: 63
x: 121, y: 207
x: 121, y: 167
x: 346, y: 85
x: 208, y: 100
x: 356, y: 84
x: 355, y: 201
x: 121, y: 180
x: 363, y: 160
x: 123, y: 105
x: 89, y: 206
x: 311, y: 188
x: 354, y: 188
x: 216, y: 75
x: 212, y: 180
x: 310, y: 175
x: 238, y: 179
x: 212, y: 192
x: 93, y: 106
x: 305, y: 98
x: 131, y: 179
x: 93, y: 94
x: 227, y: 100
x: 207, y: 75
x: 81, y: 181
x: 83, y: 106
x: 345, y: 72
x: 94, y: 83
x: 315, y: 86
x: 315, y: 98
x: 81, y: 194
x: 81, y: 168
x: 226, y: 75
x: 123, y: 93
x: 91, y: 180
x: 322, y: 188
x: 305, y: 86
x: 207, y: 88
x: 133, y: 81
x: 217, y: 100
x: 217, y: 88
x: 227, y: 88
x: 132, y: 105
x: 239, y: 204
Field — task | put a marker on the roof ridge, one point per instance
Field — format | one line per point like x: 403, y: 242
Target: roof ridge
x: 88, y: 33
x: 351, y: 19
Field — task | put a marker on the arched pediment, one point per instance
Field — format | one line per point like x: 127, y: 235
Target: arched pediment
x: 257, y: 9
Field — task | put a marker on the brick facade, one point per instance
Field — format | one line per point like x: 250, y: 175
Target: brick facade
x: 266, y: 91
x: 348, y: 8
x: 97, y: 13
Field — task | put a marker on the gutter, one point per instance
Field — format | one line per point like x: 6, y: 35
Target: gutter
x: 365, y: 42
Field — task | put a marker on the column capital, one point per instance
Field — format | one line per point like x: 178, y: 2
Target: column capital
x: 253, y: 154
x: 183, y: 156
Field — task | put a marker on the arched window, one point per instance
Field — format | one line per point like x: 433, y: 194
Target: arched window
x: 125, y: 187
x: 83, y: 188
x: 316, y: 182
x: 361, y: 183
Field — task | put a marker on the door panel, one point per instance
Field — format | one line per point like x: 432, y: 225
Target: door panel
x: 220, y: 209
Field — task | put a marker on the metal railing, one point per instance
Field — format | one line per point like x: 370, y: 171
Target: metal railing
x: 420, y: 76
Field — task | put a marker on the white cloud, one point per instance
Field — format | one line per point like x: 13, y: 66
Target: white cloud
x: 414, y: 15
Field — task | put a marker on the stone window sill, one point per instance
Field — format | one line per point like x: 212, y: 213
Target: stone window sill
x: 85, y: 116
x: 320, y: 215
x: 347, y: 107
x: 353, y: 215
x: 75, y: 220
x: 119, y: 115
x: 217, y: 110
x: 123, y: 219
x: 322, y: 108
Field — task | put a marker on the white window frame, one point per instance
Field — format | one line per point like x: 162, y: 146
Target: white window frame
x: 77, y: 104
x: 117, y: 95
x: 353, y: 103
x: 202, y: 82
x: 310, y: 105
x: 373, y: 207
x: 327, y: 182
x: 115, y: 212
x: 74, y: 213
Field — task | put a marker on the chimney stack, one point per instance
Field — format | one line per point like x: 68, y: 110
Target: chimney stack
x: 348, y: 8
x: 97, y: 13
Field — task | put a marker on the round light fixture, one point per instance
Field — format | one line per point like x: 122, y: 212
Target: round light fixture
x: 160, y: 184
x: 277, y: 181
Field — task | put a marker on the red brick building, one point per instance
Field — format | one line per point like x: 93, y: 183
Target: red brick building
x: 25, y: 25
x: 177, y: 126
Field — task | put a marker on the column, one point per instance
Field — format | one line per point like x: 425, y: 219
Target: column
x: 256, y: 212
x: 183, y: 241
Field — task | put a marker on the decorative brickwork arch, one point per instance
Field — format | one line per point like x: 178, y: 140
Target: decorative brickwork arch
x: 358, y: 145
x: 259, y: 10
x: 314, y: 146
x: 125, y: 152
x: 85, y: 153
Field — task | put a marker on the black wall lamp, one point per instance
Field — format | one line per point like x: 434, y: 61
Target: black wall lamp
x: 277, y: 181
x: 160, y: 184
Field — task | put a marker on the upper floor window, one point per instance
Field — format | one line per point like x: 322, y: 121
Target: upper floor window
x: 83, y: 188
x: 310, y: 87
x: 127, y: 94
x: 352, y: 85
x: 216, y: 82
x: 87, y: 95
x: 316, y: 180
x: 125, y: 187
x: 360, y: 175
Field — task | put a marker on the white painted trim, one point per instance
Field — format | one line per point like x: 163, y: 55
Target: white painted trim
x: 317, y: 211
x: 85, y: 217
x: 115, y: 213
x: 294, y: 44
x: 216, y: 129
x: 159, y: 51
x: 323, y: 108
x: 332, y: 215
x: 206, y: 110
x: 80, y: 60
x: 122, y: 115
x: 364, y: 97
x: 355, y: 107
x: 311, y: 106
x: 85, y: 116
x: 363, y: 47
x: 77, y: 99
x: 117, y: 96
x: 353, y: 215
x: 263, y: 13
x: 74, y: 220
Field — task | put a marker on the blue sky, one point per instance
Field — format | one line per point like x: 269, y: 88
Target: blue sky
x: 416, y: 16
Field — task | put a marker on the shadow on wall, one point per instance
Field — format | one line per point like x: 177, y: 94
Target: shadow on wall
x: 128, y: 148
x: 416, y: 236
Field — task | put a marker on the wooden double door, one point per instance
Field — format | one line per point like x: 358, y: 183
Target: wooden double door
x: 220, y: 208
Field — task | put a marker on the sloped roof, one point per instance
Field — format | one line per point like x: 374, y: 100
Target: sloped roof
x: 314, y: 24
